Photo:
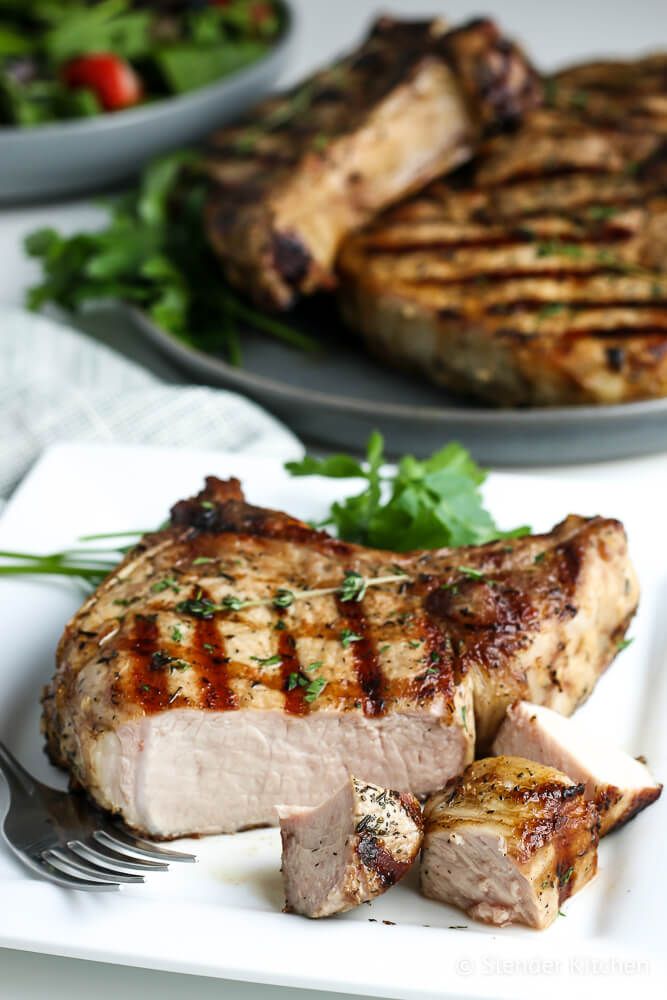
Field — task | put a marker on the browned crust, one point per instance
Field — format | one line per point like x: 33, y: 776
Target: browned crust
x: 301, y: 135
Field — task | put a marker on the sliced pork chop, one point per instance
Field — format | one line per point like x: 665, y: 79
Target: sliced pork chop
x: 538, y: 275
x: 348, y: 850
x: 508, y: 841
x: 619, y: 785
x: 307, y: 167
x: 203, y: 683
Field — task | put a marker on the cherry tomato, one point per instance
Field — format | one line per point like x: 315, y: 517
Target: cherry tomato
x: 260, y: 13
x: 113, y: 80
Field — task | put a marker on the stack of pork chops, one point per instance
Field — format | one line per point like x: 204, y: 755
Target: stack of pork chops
x: 225, y: 676
x: 529, y: 266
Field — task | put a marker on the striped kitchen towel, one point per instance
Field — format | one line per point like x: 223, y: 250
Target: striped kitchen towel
x: 59, y: 385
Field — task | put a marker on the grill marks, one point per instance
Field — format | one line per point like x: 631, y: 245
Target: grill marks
x: 367, y: 664
x: 149, y: 683
x: 209, y: 654
x: 295, y: 703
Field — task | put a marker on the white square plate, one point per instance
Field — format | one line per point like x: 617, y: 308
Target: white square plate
x: 222, y: 917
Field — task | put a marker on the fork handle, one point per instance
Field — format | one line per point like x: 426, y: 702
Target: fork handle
x: 15, y: 774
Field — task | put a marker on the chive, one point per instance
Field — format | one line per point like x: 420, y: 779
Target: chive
x: 347, y: 636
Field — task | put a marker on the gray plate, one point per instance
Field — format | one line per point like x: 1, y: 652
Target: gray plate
x: 338, y: 396
x: 92, y: 153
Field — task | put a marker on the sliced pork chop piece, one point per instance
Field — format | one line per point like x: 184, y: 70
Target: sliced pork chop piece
x: 619, y: 785
x: 307, y: 167
x: 348, y: 850
x: 187, y: 710
x: 508, y: 841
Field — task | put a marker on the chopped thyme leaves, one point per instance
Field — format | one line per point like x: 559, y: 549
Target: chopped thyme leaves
x: 198, y: 607
x: 207, y: 505
x: 623, y: 644
x: 600, y: 213
x: 413, y: 643
x: 550, y: 309
x: 283, y: 598
x: 540, y: 557
x: 280, y: 626
x: 347, y: 637
x: 474, y: 574
x: 123, y: 602
x: 292, y: 681
x: 556, y: 247
x: 176, y: 634
x: 432, y: 671
x: 320, y: 142
x: 564, y: 877
x: 434, y: 656
x: 167, y: 582
x: 464, y: 712
x: 269, y: 661
x: 353, y: 587
x: 314, y: 666
x: 145, y: 687
x: 201, y: 560
x: 209, y: 647
x: 315, y: 689
x: 383, y: 649
x: 232, y: 603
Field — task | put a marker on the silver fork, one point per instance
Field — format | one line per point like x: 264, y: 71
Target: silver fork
x: 65, y: 839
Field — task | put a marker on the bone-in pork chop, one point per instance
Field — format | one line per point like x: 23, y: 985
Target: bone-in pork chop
x: 199, y: 687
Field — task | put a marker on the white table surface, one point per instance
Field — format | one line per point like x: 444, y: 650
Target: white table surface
x: 554, y: 33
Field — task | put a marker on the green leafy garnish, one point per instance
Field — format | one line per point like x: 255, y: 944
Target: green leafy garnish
x: 623, y: 644
x: 424, y: 504
x: 347, y: 637
x: 153, y: 254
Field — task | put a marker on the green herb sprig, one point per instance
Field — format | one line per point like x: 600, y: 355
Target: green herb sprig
x: 153, y: 255
x: 422, y: 505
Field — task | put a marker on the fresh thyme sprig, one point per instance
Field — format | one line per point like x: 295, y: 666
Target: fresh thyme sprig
x: 353, y: 588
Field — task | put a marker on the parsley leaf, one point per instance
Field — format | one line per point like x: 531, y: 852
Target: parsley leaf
x: 153, y: 254
x: 423, y: 504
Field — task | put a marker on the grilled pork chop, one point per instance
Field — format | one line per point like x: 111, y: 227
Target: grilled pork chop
x: 539, y: 275
x: 307, y: 167
x: 348, y: 850
x: 508, y: 841
x: 619, y: 785
x: 186, y: 710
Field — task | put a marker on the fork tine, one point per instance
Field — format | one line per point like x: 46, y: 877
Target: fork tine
x: 121, y: 841
x: 114, y: 863
x: 72, y: 865
x: 46, y: 871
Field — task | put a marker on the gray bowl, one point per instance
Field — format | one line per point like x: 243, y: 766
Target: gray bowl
x: 93, y: 153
